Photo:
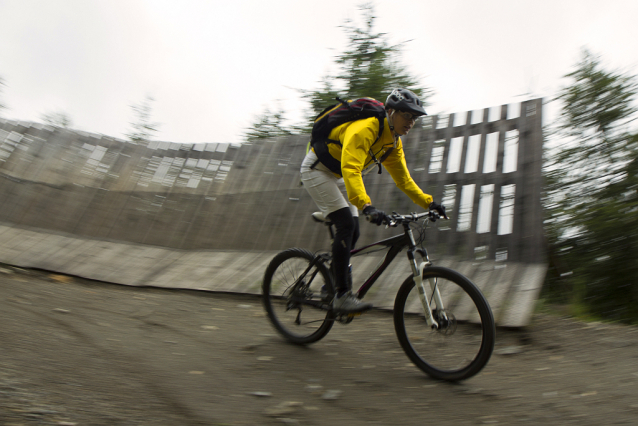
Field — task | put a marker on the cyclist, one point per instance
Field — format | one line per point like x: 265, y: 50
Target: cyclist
x: 360, y: 148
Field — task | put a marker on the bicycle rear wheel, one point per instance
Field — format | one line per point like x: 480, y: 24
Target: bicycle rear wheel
x: 292, y: 296
x: 464, y: 341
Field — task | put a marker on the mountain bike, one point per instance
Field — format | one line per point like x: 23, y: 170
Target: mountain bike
x: 442, y: 320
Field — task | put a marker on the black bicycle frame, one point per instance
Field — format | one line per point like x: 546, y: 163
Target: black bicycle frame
x: 395, y: 245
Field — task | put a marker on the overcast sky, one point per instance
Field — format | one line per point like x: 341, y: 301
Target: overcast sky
x: 212, y: 66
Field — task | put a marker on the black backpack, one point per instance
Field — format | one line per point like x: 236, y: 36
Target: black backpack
x: 336, y: 115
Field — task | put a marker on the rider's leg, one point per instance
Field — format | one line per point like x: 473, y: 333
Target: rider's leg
x: 355, y: 237
x: 344, y: 301
x: 327, y: 191
x: 356, y: 234
x: 345, y: 230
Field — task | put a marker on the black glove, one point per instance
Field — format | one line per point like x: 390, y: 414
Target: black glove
x: 439, y: 208
x: 373, y: 215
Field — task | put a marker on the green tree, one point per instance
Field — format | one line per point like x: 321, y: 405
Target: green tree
x: 267, y: 125
x: 318, y: 100
x: 369, y: 67
x: 143, y: 127
x: 592, y: 194
x: 57, y: 119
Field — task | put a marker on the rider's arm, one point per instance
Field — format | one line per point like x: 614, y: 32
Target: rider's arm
x: 398, y: 169
x: 357, y: 140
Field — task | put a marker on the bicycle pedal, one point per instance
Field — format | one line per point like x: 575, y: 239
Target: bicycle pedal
x: 355, y: 314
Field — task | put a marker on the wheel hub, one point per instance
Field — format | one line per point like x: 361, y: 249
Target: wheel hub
x: 446, y: 321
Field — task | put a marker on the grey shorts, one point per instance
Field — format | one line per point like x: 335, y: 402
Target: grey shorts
x: 327, y: 190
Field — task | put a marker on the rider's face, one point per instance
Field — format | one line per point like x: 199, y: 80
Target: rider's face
x: 403, y: 122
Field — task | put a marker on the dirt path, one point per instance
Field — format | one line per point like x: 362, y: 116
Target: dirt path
x: 75, y: 352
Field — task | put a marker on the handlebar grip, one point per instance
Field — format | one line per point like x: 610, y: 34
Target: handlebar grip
x: 377, y: 217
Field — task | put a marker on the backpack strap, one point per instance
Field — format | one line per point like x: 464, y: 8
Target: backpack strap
x: 384, y: 156
x: 382, y: 159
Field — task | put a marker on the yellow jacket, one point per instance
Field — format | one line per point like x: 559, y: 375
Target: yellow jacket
x: 357, y: 139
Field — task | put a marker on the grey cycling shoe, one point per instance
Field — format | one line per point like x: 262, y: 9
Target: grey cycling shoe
x: 348, y: 303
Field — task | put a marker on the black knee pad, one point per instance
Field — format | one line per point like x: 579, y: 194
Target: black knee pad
x: 355, y: 235
x: 346, y: 225
x: 344, y: 222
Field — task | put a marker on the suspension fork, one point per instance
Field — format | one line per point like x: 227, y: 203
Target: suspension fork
x: 417, y: 276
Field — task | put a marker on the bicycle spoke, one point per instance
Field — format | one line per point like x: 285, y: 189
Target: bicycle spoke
x: 464, y: 340
x: 291, y: 295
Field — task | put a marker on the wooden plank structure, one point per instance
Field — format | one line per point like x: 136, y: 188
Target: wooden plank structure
x: 80, y: 203
x: 487, y: 171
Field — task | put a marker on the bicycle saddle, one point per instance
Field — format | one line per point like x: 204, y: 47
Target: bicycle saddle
x: 319, y: 217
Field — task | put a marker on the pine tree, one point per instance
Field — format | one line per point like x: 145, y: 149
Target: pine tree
x: 57, y: 119
x: 369, y: 67
x: 267, y: 125
x: 143, y: 127
x: 592, y: 193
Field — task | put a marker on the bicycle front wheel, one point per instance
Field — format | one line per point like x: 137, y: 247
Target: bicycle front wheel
x: 292, y: 296
x: 463, y: 343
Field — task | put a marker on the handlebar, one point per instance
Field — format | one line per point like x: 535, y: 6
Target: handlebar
x: 395, y: 219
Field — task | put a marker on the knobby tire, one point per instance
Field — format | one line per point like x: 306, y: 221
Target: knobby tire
x: 288, y: 301
x: 465, y: 342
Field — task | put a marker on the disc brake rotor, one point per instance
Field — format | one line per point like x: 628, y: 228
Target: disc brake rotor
x: 447, y: 322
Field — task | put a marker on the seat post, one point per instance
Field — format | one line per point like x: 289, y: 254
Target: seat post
x: 319, y: 217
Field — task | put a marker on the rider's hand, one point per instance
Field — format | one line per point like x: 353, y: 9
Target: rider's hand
x: 439, y: 208
x: 373, y: 215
